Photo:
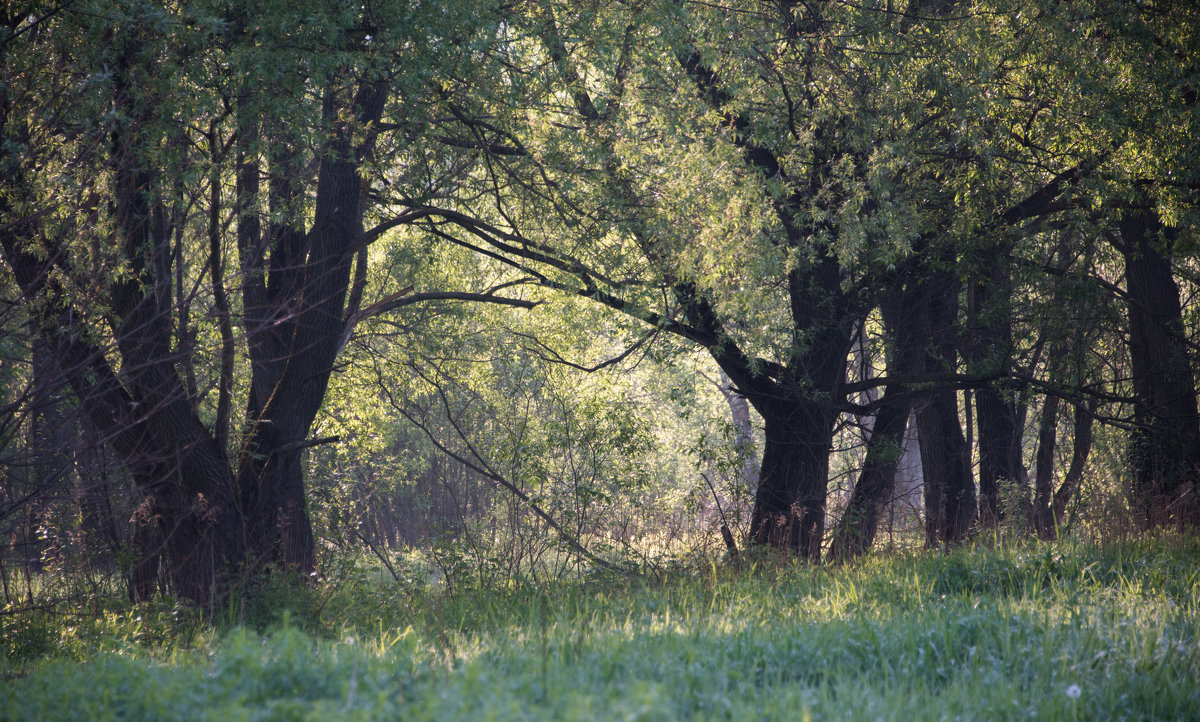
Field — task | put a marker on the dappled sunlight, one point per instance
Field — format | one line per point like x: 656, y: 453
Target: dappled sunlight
x: 1080, y: 633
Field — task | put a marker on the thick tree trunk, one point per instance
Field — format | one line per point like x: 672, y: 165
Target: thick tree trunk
x: 789, y: 505
x: 1164, y: 451
x: 798, y: 407
x: 274, y: 502
x: 294, y: 329
x: 1000, y: 469
x: 798, y: 399
x: 210, y: 521
x: 47, y: 473
x: 144, y: 415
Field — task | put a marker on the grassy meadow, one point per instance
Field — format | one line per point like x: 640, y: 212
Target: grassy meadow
x: 1067, y: 632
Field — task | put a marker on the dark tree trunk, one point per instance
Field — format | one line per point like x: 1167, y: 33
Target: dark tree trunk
x: 1164, y: 451
x: 47, y: 473
x: 906, y: 321
x: 945, y: 461
x: 798, y: 418
x: 144, y: 414
x: 801, y: 398
x: 1050, y: 505
x: 789, y: 506
x: 949, y: 488
x: 294, y: 316
x: 799, y: 403
x: 1000, y: 466
x: 1000, y: 420
x: 989, y: 351
x: 876, y: 482
x: 1043, y: 487
x: 210, y: 522
x: 1082, y: 446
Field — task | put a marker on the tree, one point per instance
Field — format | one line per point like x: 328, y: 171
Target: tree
x: 1148, y: 123
x: 152, y: 112
x: 814, y: 193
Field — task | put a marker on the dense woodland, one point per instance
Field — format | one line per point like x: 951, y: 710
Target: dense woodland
x: 543, y: 287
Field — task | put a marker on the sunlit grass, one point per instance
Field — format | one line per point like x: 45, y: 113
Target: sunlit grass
x: 1032, y: 632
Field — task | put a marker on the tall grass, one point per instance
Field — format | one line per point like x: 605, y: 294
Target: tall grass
x: 1045, y: 632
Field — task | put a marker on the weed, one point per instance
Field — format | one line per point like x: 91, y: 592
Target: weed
x: 1069, y: 631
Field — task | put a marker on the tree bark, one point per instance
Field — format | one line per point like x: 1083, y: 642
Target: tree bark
x: 990, y: 350
x: 999, y: 453
x: 905, y: 314
x: 211, y: 522
x: 1043, y: 498
x: 789, y: 506
x: 876, y: 482
x: 949, y: 488
x: 1164, y: 449
x: 945, y: 462
x: 295, y: 325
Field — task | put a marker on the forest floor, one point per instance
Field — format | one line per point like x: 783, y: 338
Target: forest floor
x: 1047, y: 632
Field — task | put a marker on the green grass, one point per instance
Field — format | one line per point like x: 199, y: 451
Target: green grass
x: 990, y: 634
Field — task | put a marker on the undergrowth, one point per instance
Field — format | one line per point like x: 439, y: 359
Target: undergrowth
x: 1043, y: 631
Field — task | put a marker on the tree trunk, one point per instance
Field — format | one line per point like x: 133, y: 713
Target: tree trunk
x: 294, y: 316
x: 277, y: 521
x: 1164, y: 451
x: 905, y: 319
x: 789, y: 505
x: 945, y: 457
x: 949, y: 487
x: 876, y: 482
x: 990, y: 350
x: 999, y: 453
x: 1082, y: 445
x: 149, y: 422
x: 1043, y: 499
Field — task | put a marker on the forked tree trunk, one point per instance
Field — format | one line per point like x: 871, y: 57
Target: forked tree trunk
x: 1050, y: 505
x: 212, y: 524
x: 295, y: 324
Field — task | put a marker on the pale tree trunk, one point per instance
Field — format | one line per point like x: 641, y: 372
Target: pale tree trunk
x: 739, y: 413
